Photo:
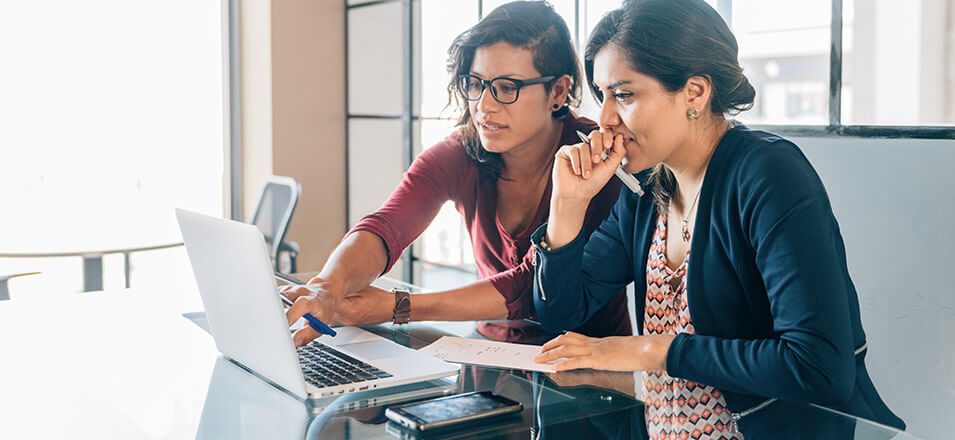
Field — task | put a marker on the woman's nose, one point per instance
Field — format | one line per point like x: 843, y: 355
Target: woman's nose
x: 487, y: 103
x: 608, y: 115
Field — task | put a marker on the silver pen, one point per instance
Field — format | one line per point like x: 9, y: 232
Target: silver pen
x: 622, y: 174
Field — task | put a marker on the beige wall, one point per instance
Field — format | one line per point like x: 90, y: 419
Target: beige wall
x: 293, y: 119
x: 255, y: 79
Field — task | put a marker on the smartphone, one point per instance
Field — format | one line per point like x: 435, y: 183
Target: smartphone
x: 451, y: 410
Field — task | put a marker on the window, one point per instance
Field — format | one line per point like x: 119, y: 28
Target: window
x: 112, y: 116
x: 786, y: 59
x: 444, y: 257
x: 904, y: 73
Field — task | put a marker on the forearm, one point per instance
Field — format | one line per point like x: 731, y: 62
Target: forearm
x: 807, y: 369
x: 565, y: 221
x: 560, y: 300
x: 354, y: 264
x: 477, y: 301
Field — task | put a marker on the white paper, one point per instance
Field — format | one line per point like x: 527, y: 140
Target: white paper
x: 488, y: 353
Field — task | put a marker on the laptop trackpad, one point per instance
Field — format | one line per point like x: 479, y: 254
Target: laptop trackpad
x: 373, y: 350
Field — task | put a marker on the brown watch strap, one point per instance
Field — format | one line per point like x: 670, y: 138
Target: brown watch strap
x: 402, y: 311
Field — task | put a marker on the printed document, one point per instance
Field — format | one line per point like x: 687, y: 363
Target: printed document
x: 488, y: 353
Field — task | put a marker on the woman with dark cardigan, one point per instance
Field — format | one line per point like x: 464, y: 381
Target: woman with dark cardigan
x: 743, y: 295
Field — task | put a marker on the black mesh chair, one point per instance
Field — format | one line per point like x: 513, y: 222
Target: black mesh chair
x: 273, y: 216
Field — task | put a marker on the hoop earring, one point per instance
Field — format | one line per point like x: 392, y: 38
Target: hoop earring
x: 693, y: 114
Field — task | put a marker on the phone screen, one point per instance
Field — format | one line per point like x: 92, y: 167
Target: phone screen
x: 454, y: 407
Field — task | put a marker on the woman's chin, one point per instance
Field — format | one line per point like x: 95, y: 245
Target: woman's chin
x: 634, y: 166
x: 493, y: 146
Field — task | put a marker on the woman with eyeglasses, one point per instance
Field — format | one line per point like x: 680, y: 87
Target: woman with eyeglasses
x: 515, y: 75
x: 743, y: 295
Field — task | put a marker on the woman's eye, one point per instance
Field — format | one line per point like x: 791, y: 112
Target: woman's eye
x: 622, y: 96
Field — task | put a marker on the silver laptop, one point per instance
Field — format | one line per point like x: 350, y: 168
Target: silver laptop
x: 233, y: 271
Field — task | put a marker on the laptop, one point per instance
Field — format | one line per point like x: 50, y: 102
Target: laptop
x: 233, y: 271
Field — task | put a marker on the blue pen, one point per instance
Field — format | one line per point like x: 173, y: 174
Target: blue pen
x: 319, y: 326
x: 313, y: 322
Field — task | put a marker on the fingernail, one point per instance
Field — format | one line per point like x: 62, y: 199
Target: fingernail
x: 587, y: 174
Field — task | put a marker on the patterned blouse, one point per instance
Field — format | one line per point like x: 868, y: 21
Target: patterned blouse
x: 676, y: 408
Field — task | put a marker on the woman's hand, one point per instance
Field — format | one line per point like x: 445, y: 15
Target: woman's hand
x: 319, y: 298
x: 579, y: 173
x: 370, y: 305
x: 615, y: 353
x: 578, y: 176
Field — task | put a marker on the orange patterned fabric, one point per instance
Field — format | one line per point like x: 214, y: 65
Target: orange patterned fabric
x: 676, y: 408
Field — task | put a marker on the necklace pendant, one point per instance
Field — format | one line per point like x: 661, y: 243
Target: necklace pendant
x: 686, y: 232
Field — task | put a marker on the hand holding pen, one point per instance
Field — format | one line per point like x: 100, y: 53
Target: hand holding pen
x: 631, y: 182
x: 303, y: 307
x: 580, y: 172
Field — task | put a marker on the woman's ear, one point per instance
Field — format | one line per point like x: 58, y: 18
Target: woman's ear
x: 560, y: 90
x: 698, y: 90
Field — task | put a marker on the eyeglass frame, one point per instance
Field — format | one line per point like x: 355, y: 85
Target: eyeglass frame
x: 486, y: 84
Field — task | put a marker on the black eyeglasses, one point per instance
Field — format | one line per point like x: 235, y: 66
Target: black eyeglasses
x: 504, y: 90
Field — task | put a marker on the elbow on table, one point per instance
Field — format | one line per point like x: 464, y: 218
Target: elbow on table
x: 555, y: 316
x: 832, y: 387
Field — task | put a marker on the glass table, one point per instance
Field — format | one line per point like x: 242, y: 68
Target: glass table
x: 127, y: 364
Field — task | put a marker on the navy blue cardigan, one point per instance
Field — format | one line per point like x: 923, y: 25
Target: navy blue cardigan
x: 775, y: 312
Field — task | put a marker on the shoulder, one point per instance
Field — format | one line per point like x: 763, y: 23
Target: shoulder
x: 769, y: 179
x: 762, y: 159
x: 445, y: 164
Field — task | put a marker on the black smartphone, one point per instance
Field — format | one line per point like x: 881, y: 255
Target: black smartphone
x: 451, y: 410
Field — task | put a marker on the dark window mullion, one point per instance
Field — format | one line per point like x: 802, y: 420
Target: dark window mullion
x: 347, y: 145
x: 407, y: 115
x: 835, y: 66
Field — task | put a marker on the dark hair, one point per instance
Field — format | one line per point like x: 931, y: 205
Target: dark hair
x: 531, y: 25
x: 671, y: 41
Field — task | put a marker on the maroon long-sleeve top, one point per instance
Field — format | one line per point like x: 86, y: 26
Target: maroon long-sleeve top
x: 445, y: 172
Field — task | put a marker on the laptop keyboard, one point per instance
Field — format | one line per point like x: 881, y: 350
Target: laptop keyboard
x: 324, y: 366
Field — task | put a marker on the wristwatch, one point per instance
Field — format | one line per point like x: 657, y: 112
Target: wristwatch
x: 402, y: 312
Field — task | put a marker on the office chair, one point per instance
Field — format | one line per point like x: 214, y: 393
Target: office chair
x: 4, y: 290
x: 273, y: 215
